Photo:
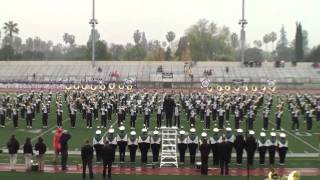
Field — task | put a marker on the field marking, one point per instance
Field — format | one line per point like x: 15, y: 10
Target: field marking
x: 306, y: 152
x: 298, y: 138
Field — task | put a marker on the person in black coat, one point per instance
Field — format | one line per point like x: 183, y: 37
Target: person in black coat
x: 204, y: 150
x: 40, y: 149
x: 13, y: 147
x: 107, y: 153
x: 224, y: 157
x: 28, y: 153
x: 239, y: 144
x: 87, y: 156
x: 64, y: 149
x: 251, y: 146
x: 168, y: 107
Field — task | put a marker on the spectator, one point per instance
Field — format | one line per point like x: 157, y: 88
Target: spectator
x: 40, y: 149
x: 107, y: 153
x: 13, y: 147
x: 64, y: 149
x: 28, y: 153
x: 87, y: 156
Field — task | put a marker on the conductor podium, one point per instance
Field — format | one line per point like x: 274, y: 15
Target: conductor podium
x: 169, y: 147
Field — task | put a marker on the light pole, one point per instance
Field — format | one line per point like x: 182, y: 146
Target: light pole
x: 93, y: 23
x: 243, y: 22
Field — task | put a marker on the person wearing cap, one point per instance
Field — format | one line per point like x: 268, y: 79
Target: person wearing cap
x: 65, y: 137
x: 155, y: 145
x: 309, y: 115
x: 251, y: 146
x: 87, y: 156
x: 177, y: 115
x: 122, y: 141
x: 229, y: 139
x: 144, y: 145
x: 133, y: 116
x: 159, y: 114
x: 204, y: 151
x: 133, y: 146
x: 193, y: 142
x: 214, y: 143
x: 224, y: 157
x: 239, y: 144
x: 73, y: 115
x: 147, y: 112
x: 112, y: 140
x: 182, y: 145
x: 236, y: 118
x: 251, y: 116
x: 272, y: 146
x: 208, y: 117
x: 121, y: 115
x: 278, y: 115
x: 282, y: 148
x: 262, y: 147
x: 59, y: 113
x: 44, y: 116
x: 104, y: 113
x: 265, y: 114
x: 98, y: 145
x: 221, y: 113
x: 193, y: 115
x: 89, y: 115
x: 295, y: 119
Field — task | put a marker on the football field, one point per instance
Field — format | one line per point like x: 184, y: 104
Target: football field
x: 303, y: 146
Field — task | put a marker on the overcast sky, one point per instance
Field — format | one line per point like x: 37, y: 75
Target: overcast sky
x: 118, y: 19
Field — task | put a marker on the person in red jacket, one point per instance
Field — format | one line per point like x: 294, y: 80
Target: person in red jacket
x: 56, y: 144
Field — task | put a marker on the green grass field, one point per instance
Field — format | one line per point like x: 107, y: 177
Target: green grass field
x: 302, y: 143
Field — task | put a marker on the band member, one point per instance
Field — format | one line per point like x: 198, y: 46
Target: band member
x: 159, y: 115
x: 112, y: 140
x: 318, y: 111
x: 122, y: 140
x: 98, y: 145
x: 262, y: 147
x: 59, y: 112
x: 109, y: 108
x: 168, y: 107
x: 239, y: 144
x: 295, y: 119
x: 44, y: 116
x: 177, y: 115
x: 227, y: 108
x: 133, y: 116
x: 236, y: 118
x: 104, y: 113
x: 182, y: 145
x: 89, y: 116
x: 133, y: 146
x: 155, y: 145
x: 95, y: 110
x: 229, y: 138
x: 251, y: 146
x: 272, y: 147
x: 282, y: 148
x: 251, y: 116
x: 73, y: 115
x: 202, y: 109
x: 3, y: 117
x: 214, y: 141
x: 29, y: 116
x: 214, y: 111
x: 84, y: 111
x: 15, y: 116
x: 193, y: 142
x: 278, y: 114
x: 193, y: 117
x: 144, y: 145
x: 265, y: 115
x: 208, y: 115
x: 147, y: 112
x: 120, y: 115
x: 221, y: 113
x: 309, y: 116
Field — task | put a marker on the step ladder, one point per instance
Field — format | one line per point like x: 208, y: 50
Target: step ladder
x: 169, y: 147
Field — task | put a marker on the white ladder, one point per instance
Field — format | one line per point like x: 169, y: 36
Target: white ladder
x: 169, y: 147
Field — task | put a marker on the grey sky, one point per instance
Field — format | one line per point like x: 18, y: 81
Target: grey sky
x: 49, y: 19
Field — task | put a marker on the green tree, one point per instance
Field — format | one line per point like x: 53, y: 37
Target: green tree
x: 182, y: 47
x: 273, y: 37
x: 101, y: 50
x: 298, y: 45
x: 7, y: 53
x: 314, y: 55
x: 69, y: 39
x: 283, y: 51
x: 266, y: 41
x: 170, y: 37
x: 257, y: 43
x: 253, y: 54
x: 168, y: 54
x: 11, y: 28
x: 305, y: 36
x: 137, y: 37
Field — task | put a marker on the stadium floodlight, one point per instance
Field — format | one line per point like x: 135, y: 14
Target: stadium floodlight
x: 93, y: 22
x: 243, y: 22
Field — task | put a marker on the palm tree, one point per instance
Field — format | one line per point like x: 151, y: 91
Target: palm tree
x: 170, y: 37
x: 273, y: 38
x: 11, y: 28
x: 266, y: 40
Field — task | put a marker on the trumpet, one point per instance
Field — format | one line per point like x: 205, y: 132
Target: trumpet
x: 264, y: 88
x: 245, y: 88
x: 237, y: 88
x: 272, y: 89
x: 102, y: 87
x: 219, y: 88
x: 254, y: 88
x: 121, y: 87
x: 68, y: 87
